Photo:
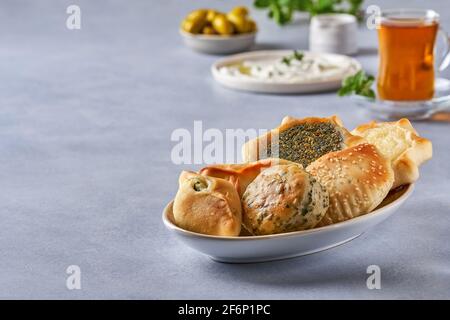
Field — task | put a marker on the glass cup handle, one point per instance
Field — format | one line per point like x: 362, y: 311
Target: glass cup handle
x: 446, y: 56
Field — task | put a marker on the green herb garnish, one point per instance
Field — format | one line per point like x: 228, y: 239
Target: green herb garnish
x: 199, y: 185
x: 296, y: 55
x: 282, y: 10
x: 359, y: 84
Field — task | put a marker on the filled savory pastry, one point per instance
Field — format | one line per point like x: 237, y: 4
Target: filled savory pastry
x: 400, y: 143
x: 283, y: 198
x: 240, y: 175
x: 357, y: 179
x: 207, y: 205
x: 300, y: 140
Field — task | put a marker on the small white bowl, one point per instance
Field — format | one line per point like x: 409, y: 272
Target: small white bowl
x: 246, y: 249
x: 216, y: 44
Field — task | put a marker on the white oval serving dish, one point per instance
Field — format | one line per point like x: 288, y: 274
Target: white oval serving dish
x: 216, y: 44
x: 265, y: 86
x: 247, y: 249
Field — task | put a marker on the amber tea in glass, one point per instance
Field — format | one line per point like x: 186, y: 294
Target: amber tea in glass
x: 406, y: 48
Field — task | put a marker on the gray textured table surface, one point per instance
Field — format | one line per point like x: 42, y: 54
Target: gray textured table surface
x: 85, y: 124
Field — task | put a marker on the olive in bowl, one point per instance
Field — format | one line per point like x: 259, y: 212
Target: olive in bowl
x: 215, y: 32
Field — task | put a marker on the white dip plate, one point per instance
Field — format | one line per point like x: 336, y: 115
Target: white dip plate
x: 326, y: 82
x: 247, y: 249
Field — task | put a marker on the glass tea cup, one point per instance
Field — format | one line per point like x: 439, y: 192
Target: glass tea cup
x: 407, y: 40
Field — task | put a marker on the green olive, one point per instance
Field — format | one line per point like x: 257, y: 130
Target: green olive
x: 239, y: 22
x: 211, y: 15
x: 240, y: 11
x: 192, y: 26
x: 208, y: 30
x: 251, y: 26
x: 222, y: 25
x: 197, y: 14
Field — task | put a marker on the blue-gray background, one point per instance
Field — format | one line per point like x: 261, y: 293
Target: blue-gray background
x: 85, y: 170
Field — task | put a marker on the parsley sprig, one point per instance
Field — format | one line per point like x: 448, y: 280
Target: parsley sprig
x: 296, y: 55
x: 359, y: 84
x: 282, y: 11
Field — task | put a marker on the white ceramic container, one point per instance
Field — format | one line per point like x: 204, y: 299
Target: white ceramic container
x: 334, y: 33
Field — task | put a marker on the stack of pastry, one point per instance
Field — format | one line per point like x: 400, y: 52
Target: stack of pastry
x: 306, y: 173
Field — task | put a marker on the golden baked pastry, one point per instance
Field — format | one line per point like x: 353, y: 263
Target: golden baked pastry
x: 283, y: 198
x: 357, y: 179
x: 207, y: 205
x: 401, y: 144
x: 300, y: 140
x: 240, y: 175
